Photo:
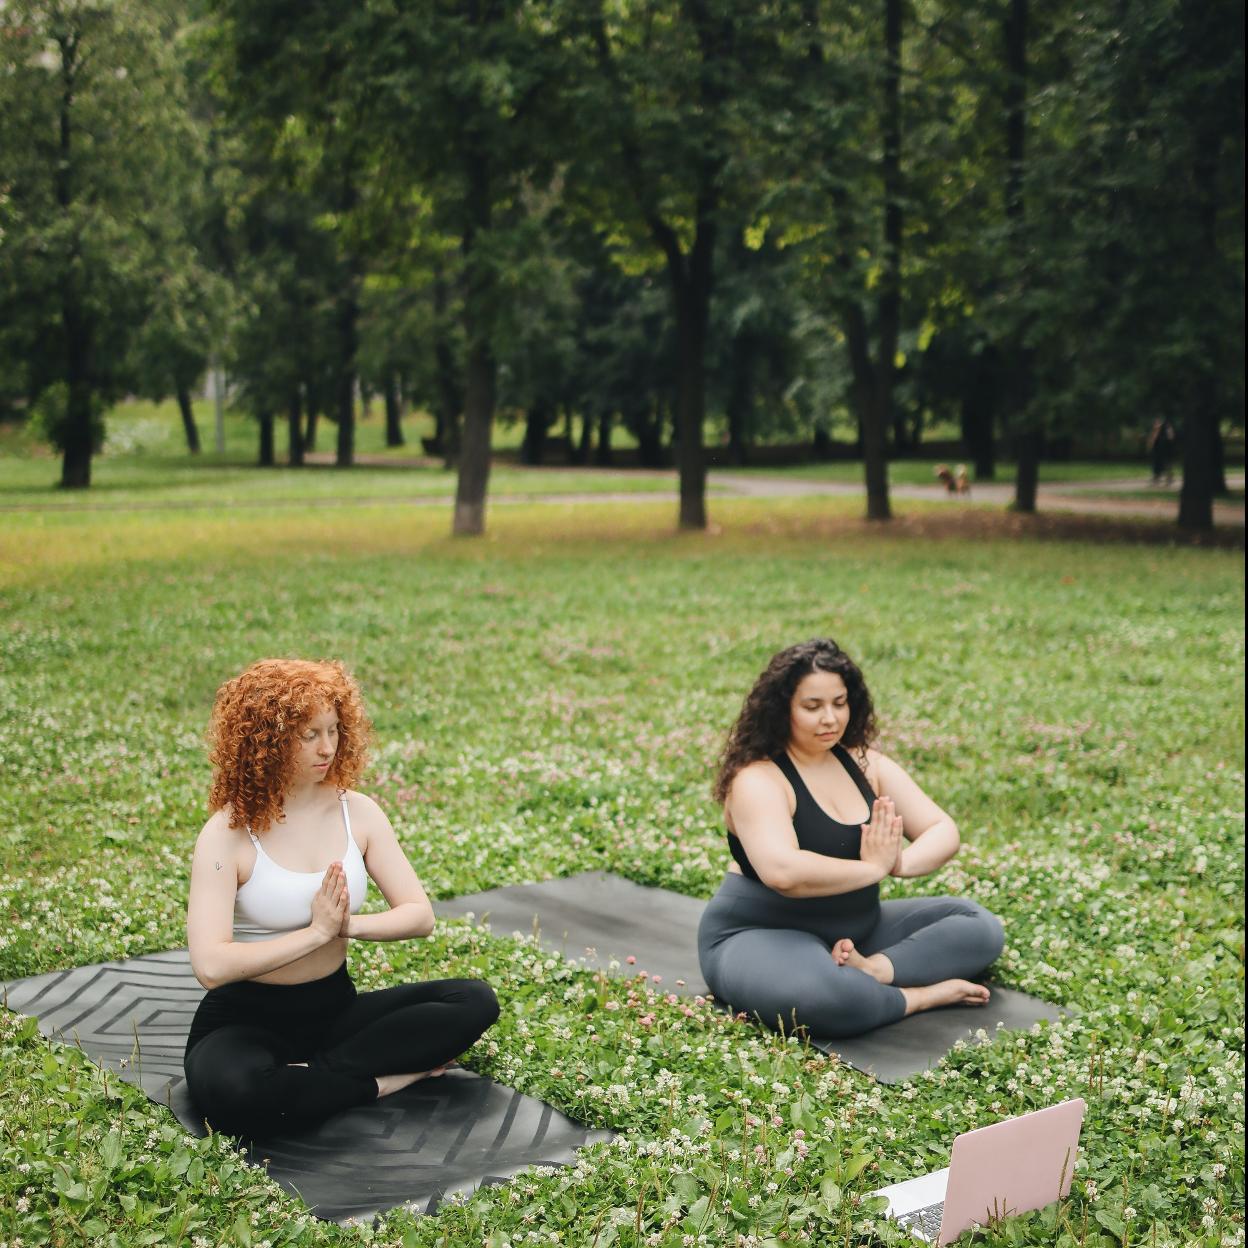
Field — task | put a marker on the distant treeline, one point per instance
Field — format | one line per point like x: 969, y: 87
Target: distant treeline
x: 804, y: 222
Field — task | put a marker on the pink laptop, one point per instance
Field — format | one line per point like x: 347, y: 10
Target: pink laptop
x: 994, y: 1172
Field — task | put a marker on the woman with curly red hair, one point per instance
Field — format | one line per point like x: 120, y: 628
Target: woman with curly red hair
x: 282, y: 1039
x: 816, y: 818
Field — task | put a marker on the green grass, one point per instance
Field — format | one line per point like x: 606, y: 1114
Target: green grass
x: 145, y: 464
x: 549, y: 699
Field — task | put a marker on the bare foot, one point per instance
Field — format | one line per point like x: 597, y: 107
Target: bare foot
x: 877, y: 965
x: 386, y: 1084
x: 947, y: 992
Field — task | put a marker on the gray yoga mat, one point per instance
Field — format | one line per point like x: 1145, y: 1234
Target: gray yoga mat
x: 438, y: 1137
x: 615, y: 918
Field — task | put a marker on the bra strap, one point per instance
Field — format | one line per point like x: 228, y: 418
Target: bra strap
x: 346, y: 814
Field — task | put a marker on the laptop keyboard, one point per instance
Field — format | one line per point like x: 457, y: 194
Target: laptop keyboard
x: 926, y: 1220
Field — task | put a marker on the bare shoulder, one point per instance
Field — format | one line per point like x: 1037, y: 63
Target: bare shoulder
x: 218, y: 844
x: 217, y: 835
x: 760, y: 781
x: 367, y: 817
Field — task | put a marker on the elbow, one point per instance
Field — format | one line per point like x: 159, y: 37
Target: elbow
x: 426, y: 924
x: 955, y: 838
x: 783, y: 880
x: 209, y: 970
x: 206, y: 976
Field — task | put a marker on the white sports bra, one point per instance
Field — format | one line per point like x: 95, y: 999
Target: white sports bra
x: 276, y: 900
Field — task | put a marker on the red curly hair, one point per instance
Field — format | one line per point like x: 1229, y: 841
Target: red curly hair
x: 254, y: 728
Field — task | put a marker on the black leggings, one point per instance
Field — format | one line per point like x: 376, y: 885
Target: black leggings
x: 246, y: 1035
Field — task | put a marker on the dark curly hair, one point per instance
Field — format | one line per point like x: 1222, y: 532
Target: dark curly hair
x: 762, y: 728
x: 255, y: 721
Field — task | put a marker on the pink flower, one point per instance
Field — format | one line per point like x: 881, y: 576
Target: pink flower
x: 646, y: 1019
x: 658, y: 979
x: 632, y: 961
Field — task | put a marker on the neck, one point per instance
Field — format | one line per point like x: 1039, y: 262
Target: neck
x: 301, y: 796
x: 808, y: 758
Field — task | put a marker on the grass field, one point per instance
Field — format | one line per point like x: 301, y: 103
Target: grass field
x: 549, y: 699
x: 145, y: 464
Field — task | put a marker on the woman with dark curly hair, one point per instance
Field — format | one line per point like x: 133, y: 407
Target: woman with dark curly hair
x: 282, y: 1039
x: 816, y: 817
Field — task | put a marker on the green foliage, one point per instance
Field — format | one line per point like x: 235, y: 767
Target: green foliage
x: 95, y: 131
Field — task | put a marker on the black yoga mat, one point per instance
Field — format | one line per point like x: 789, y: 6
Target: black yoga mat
x: 616, y: 918
x: 438, y: 1137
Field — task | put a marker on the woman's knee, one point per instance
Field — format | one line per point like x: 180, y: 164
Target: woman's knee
x: 478, y: 1001
x: 233, y: 1094
x: 991, y: 931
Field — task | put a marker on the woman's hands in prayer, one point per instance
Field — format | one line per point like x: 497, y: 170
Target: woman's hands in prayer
x: 331, y: 906
x: 882, y: 837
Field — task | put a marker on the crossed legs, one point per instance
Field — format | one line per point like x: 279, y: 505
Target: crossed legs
x: 914, y: 958
x: 256, y: 1080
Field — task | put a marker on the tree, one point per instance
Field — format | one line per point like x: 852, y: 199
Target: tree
x: 92, y: 123
x: 681, y: 95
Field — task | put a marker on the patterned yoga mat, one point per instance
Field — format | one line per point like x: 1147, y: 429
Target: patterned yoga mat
x: 415, y: 1148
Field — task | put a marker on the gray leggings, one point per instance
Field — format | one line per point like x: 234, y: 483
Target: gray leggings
x: 769, y: 955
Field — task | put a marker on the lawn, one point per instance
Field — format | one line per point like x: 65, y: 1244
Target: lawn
x: 145, y: 464
x: 550, y: 699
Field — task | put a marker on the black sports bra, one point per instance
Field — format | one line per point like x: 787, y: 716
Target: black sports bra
x: 818, y: 832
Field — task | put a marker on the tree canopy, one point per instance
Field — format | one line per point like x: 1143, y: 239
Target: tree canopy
x: 789, y: 219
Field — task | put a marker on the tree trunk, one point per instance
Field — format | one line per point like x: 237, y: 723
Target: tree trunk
x: 691, y: 281
x: 266, y: 459
x: 188, y: 417
x: 1030, y: 445
x: 1030, y: 436
x: 309, y: 438
x: 394, y: 412
x: 536, y: 424
x: 78, y: 437
x: 474, y: 456
x: 1199, y: 467
x: 77, y: 440
x: 479, y: 393
x: 294, y: 425
x: 348, y: 343
x: 647, y: 426
x: 586, y: 445
x: 603, y: 457
x: 874, y: 450
x: 979, y: 399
